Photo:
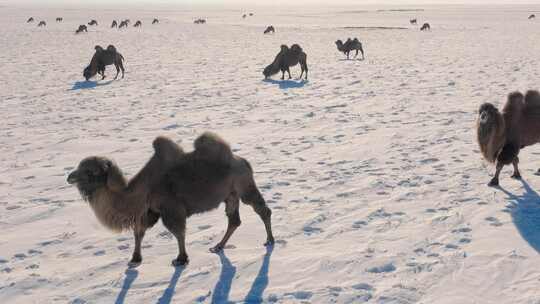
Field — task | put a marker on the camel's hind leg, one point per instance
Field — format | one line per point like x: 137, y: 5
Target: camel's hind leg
x: 233, y: 215
x: 174, y: 217
x: 253, y: 197
x: 516, y: 174
x: 303, y: 66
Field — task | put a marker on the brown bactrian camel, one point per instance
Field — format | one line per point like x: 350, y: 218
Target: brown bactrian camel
x: 173, y: 185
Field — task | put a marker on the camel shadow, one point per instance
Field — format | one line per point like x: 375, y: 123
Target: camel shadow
x: 352, y: 59
x: 287, y: 84
x: 525, y: 212
x: 228, y: 271
x: 166, y: 298
x: 80, y: 85
x: 131, y: 275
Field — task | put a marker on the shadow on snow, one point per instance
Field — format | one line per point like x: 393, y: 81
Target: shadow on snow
x: 525, y: 212
x: 79, y: 85
x: 287, y: 84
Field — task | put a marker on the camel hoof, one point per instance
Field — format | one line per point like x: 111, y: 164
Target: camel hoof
x: 270, y: 242
x: 216, y: 249
x: 516, y: 176
x: 134, y: 264
x: 493, y: 183
x: 180, y: 262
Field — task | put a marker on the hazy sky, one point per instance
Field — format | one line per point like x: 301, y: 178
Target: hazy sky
x: 264, y: 2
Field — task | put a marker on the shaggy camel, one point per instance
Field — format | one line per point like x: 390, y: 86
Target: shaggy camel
x: 172, y: 185
x: 350, y: 45
x: 92, y: 22
x: 155, y: 21
x: 123, y: 24
x: 425, y: 27
x: 82, y: 28
x: 532, y: 16
x: 59, y: 19
x: 114, y: 24
x: 413, y: 21
x: 31, y: 19
x: 502, y: 135
x: 138, y: 23
x: 103, y: 58
x: 269, y: 29
x: 287, y: 58
x: 42, y: 23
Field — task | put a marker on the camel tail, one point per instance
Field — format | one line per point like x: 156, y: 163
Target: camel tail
x: 210, y: 147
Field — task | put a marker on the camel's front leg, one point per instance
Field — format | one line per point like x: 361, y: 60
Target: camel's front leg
x: 289, y: 72
x: 516, y: 174
x: 137, y: 257
x: 495, y: 180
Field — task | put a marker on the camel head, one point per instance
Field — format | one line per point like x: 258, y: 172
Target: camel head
x: 87, y: 73
x: 490, y: 128
x: 91, y: 174
x: 339, y: 43
x: 267, y: 72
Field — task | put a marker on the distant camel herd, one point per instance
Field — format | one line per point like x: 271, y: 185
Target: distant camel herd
x: 93, y: 22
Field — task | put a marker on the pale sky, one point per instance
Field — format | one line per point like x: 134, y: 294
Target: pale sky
x: 263, y: 2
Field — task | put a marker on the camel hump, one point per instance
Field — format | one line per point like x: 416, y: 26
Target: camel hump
x: 98, y: 48
x: 166, y: 149
x: 532, y: 99
x: 111, y: 48
x: 210, y: 147
x: 296, y: 48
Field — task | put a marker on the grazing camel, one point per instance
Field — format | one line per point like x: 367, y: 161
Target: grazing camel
x: 31, y: 19
x: 269, y: 29
x: 137, y: 24
x: 103, y: 58
x: 42, y: 23
x: 123, y: 24
x: 114, y: 24
x: 350, y: 45
x: 502, y: 135
x: 173, y: 185
x: 425, y: 27
x: 92, y: 22
x: 285, y: 59
x: 532, y: 16
x: 200, y: 21
x: 413, y: 21
x: 155, y: 21
x: 82, y: 28
x: 251, y: 14
x: 244, y: 16
x: 59, y: 19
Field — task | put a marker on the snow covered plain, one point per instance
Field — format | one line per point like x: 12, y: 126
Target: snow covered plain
x: 371, y: 167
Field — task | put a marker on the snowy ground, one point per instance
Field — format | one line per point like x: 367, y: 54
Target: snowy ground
x: 371, y: 167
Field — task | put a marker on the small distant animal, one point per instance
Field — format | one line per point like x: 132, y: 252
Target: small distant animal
x: 200, y: 21
x: 502, y: 135
x: 173, y: 185
x: 31, y: 19
x: 532, y: 16
x: 82, y: 28
x: 350, y: 45
x: 285, y: 59
x: 270, y: 29
x: 92, y: 22
x: 155, y: 21
x: 114, y: 24
x: 250, y: 14
x: 425, y: 27
x: 42, y: 23
x: 244, y: 16
x: 413, y: 21
x: 123, y: 24
x: 138, y: 23
x: 59, y: 19
x: 103, y: 58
